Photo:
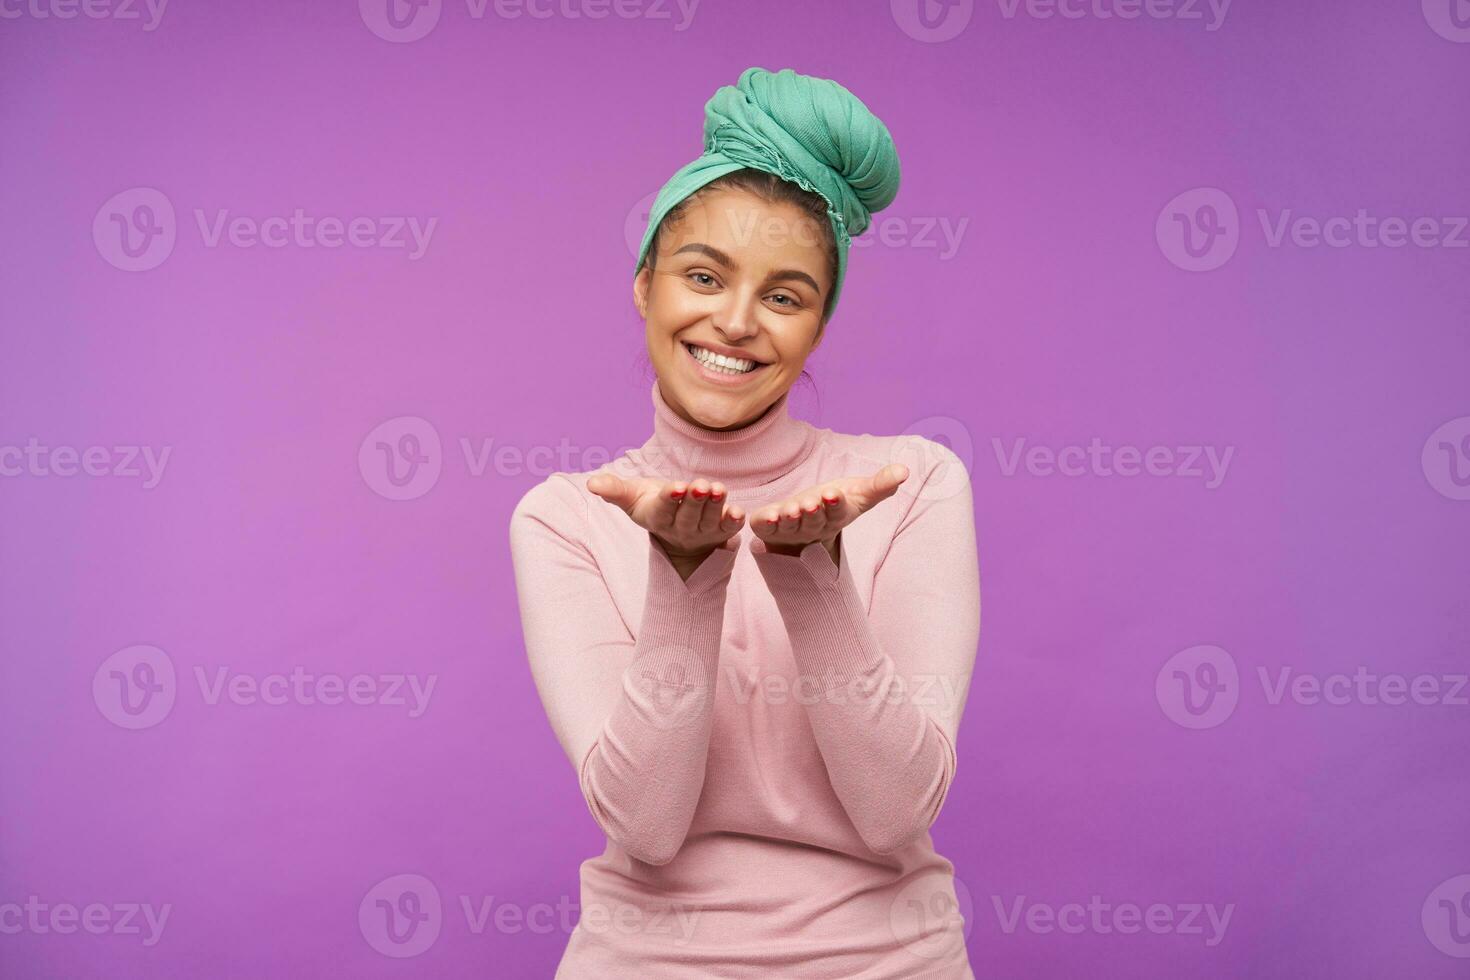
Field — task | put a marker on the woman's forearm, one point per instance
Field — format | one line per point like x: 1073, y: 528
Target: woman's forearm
x: 643, y: 775
x: 885, y: 733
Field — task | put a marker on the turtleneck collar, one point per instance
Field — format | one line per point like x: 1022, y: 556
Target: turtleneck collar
x: 742, y: 459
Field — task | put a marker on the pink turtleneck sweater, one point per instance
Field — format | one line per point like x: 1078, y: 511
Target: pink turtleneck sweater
x: 766, y: 744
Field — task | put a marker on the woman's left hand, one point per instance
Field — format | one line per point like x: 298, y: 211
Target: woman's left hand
x: 820, y: 514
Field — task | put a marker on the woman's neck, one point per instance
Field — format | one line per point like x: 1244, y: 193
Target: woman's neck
x: 749, y: 455
x: 683, y: 413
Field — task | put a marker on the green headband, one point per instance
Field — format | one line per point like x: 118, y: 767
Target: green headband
x: 804, y: 129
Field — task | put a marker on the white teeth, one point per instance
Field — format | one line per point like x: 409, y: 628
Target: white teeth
x: 721, y: 363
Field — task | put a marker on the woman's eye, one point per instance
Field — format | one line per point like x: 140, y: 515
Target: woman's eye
x: 788, y: 300
x: 698, y: 276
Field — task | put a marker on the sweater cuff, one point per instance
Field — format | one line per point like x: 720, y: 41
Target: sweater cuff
x: 812, y: 566
x: 812, y: 560
x: 713, y: 572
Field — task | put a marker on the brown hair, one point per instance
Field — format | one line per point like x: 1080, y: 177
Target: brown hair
x: 775, y: 190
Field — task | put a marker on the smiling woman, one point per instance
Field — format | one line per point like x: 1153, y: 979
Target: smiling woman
x: 753, y: 638
x: 739, y: 298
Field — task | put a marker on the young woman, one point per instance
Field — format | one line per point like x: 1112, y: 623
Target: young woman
x: 753, y: 637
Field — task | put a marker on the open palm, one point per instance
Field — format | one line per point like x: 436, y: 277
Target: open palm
x: 689, y: 518
x: 821, y: 512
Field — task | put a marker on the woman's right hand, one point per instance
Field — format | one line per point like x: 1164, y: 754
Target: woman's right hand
x: 689, y: 519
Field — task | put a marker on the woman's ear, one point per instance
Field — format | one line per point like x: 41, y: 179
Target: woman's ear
x: 640, y: 290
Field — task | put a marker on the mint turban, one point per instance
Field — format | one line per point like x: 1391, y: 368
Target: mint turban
x: 807, y: 130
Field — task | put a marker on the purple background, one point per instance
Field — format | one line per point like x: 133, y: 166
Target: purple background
x: 1330, y: 545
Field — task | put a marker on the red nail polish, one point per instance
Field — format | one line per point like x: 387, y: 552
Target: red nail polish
x: 677, y: 494
x: 830, y: 503
x: 699, y: 494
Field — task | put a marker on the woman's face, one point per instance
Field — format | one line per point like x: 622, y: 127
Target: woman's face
x: 738, y: 276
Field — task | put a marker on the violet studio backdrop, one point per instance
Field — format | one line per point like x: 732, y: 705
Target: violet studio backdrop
x: 1185, y: 285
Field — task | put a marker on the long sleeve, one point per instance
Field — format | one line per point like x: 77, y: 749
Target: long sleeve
x: 633, y: 716
x: 894, y: 682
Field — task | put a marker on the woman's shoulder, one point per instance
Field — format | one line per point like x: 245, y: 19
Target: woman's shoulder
x: 562, y: 499
x: 558, y: 501
x: 927, y: 458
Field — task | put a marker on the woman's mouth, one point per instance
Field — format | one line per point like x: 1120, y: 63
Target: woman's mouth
x: 718, y: 367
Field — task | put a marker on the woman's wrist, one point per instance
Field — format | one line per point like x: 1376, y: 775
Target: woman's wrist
x: 684, y: 562
x: 795, y: 550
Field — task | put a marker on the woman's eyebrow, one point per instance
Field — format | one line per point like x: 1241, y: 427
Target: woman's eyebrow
x: 795, y: 274
x: 730, y: 263
x: 709, y: 250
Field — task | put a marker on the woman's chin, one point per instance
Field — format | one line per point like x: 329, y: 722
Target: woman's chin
x: 716, y: 409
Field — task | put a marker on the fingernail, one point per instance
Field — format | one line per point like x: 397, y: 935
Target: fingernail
x: 830, y: 503
x: 814, y: 510
x: 677, y: 494
x: 698, y: 493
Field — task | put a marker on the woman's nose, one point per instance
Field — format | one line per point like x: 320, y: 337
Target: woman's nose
x: 736, y: 316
